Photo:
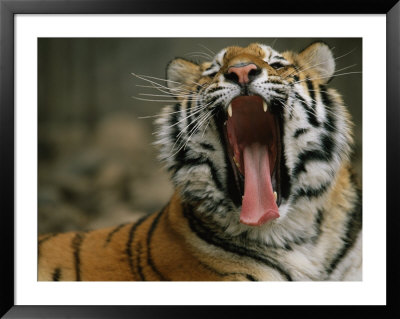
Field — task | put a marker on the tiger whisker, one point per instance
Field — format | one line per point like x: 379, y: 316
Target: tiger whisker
x: 285, y: 106
x: 143, y: 77
x: 326, y: 109
x: 186, y: 127
x: 182, y: 145
x: 168, y: 113
x: 152, y: 100
x: 197, y: 58
x: 208, y: 49
x: 325, y: 77
x: 152, y: 82
x: 318, y: 91
x: 178, y: 137
x: 190, y: 113
x: 323, y: 62
x: 342, y: 69
x: 198, y: 126
x: 188, y: 96
x: 202, y: 135
x: 158, y: 85
x: 199, y: 54
x: 166, y: 91
x: 313, y: 112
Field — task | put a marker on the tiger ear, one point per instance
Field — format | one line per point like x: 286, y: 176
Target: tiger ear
x: 318, y: 58
x: 182, y: 74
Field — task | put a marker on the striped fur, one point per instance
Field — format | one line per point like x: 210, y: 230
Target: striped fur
x: 198, y: 236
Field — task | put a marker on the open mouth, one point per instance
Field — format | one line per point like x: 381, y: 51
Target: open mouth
x: 254, y: 147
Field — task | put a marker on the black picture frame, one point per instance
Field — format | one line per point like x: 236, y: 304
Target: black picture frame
x: 8, y: 10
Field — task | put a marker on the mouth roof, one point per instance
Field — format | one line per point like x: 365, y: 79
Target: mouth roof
x: 254, y: 142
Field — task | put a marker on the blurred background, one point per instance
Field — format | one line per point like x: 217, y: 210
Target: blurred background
x: 97, y: 166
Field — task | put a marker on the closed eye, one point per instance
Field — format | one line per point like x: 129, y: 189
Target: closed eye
x: 277, y: 65
x: 211, y: 75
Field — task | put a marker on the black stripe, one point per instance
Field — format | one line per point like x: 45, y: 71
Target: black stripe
x: 330, y: 124
x: 112, y: 233
x: 44, y: 239
x: 56, y: 276
x: 179, y: 156
x: 76, y: 246
x: 287, y: 66
x: 296, y: 241
x: 307, y: 156
x: 317, y: 225
x: 214, y: 174
x: 207, y: 146
x: 227, y: 274
x: 149, y: 237
x: 128, y: 249
x: 280, y: 93
x: 274, y: 81
x: 324, y: 154
x: 328, y: 144
x: 205, y: 161
x: 353, y: 227
x: 284, y: 173
x: 299, y: 132
x: 251, y: 278
x: 182, y: 157
x: 309, y: 111
x: 310, y: 87
x: 216, y: 89
x: 212, y: 101
x: 212, y: 238
x: 138, y: 262
x: 191, y: 117
x: 310, y: 192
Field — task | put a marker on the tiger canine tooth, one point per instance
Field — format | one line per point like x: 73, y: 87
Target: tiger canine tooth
x: 230, y: 110
x: 265, y: 106
x: 275, y: 196
x: 236, y: 162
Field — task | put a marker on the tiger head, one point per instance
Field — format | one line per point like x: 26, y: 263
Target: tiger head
x: 256, y: 139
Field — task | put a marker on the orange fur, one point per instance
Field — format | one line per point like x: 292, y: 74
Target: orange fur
x: 153, y: 249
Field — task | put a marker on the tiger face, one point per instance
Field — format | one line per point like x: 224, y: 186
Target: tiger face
x: 256, y: 139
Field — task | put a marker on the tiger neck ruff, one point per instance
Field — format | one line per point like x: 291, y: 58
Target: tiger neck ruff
x: 259, y: 151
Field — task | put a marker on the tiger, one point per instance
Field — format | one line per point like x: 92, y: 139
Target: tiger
x: 259, y: 151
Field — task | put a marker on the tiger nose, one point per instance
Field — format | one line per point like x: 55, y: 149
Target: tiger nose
x: 241, y: 73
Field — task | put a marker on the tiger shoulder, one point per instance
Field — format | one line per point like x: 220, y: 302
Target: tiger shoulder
x: 259, y: 148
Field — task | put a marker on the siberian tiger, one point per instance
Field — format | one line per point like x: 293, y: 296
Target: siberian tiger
x: 259, y: 152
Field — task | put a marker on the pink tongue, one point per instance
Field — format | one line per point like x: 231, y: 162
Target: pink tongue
x: 258, y: 205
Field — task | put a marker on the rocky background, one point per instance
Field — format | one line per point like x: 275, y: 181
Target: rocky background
x: 97, y: 166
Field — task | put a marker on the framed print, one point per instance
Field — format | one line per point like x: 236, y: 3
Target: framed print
x: 258, y: 137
